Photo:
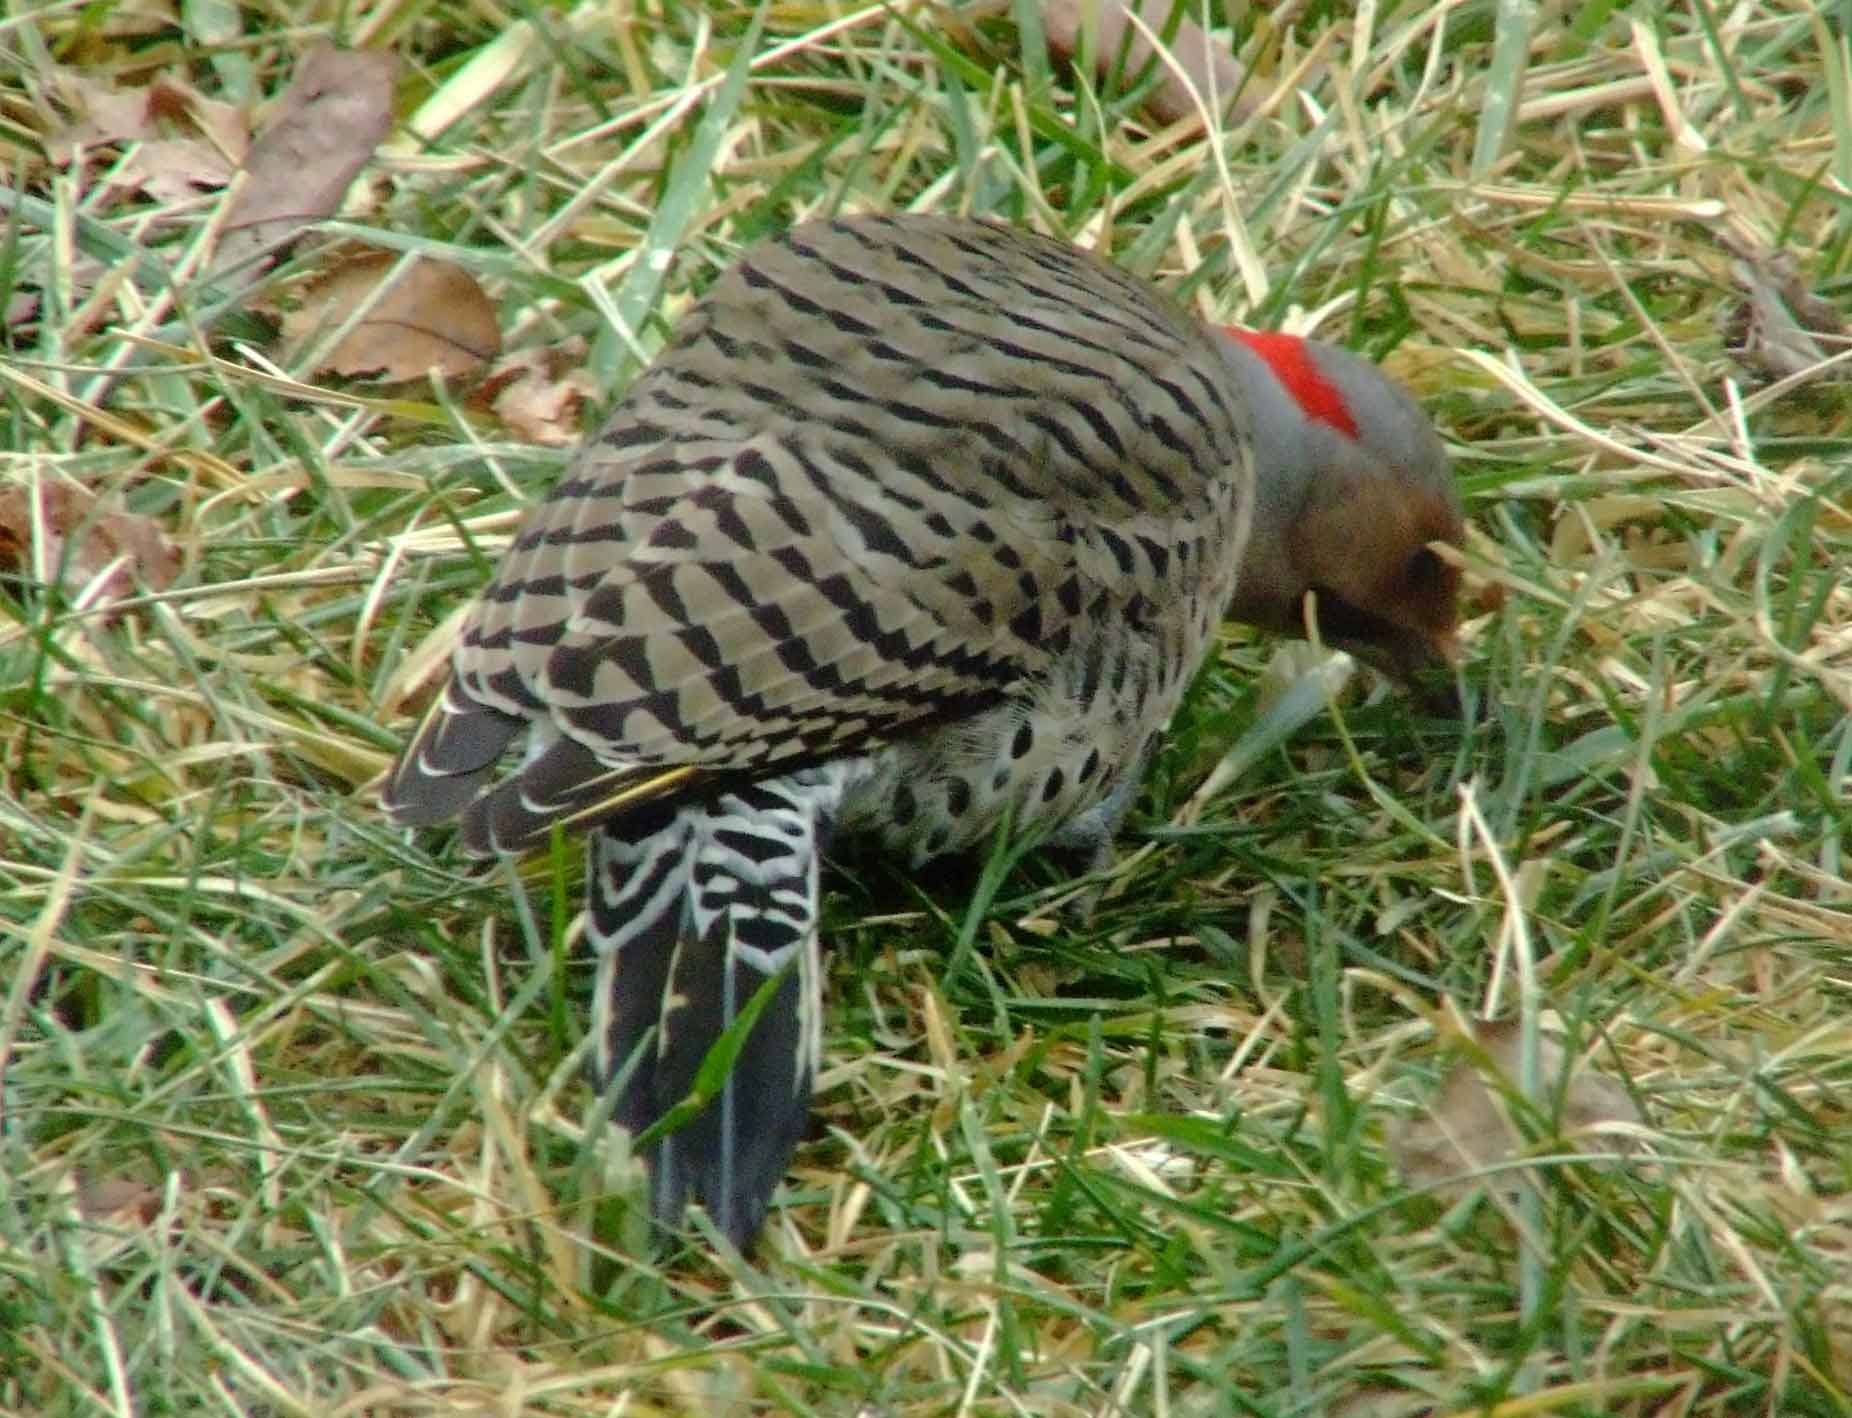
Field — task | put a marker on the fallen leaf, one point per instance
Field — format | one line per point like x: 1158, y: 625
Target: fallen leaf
x: 1780, y: 328
x: 174, y: 169
x: 429, y: 315
x: 121, y: 1200
x: 224, y: 127
x: 1217, y: 75
x: 72, y: 535
x: 321, y: 133
x: 1466, y: 1128
x: 180, y: 141
x: 101, y: 115
x: 538, y: 393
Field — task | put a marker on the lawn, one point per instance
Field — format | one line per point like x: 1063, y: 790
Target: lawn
x: 295, y: 1119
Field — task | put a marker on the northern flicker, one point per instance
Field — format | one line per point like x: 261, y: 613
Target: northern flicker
x: 914, y: 525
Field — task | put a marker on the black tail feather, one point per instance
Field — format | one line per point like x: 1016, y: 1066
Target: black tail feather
x: 450, y: 758
x: 694, y: 906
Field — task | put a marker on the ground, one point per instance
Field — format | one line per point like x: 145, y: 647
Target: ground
x: 295, y: 1120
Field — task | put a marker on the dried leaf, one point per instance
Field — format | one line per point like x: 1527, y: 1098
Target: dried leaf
x: 122, y: 1200
x: 430, y: 315
x: 174, y: 169
x: 538, y: 393
x: 184, y: 142
x: 80, y: 536
x: 224, y: 127
x: 323, y: 130
x: 1216, y: 74
x: 1466, y: 1127
x: 1781, y: 328
x: 105, y: 115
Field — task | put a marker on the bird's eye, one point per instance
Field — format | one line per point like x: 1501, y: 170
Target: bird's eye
x: 1424, y: 568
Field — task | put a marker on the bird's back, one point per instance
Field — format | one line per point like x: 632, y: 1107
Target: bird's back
x: 915, y: 526
x: 885, y: 472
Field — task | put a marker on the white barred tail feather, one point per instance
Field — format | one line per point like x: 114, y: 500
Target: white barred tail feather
x: 693, y: 908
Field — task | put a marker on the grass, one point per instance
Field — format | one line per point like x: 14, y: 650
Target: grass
x: 295, y: 1120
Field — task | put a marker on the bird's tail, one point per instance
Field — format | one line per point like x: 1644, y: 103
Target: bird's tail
x: 708, y: 1004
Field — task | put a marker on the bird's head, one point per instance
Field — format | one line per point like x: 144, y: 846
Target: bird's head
x: 1353, y: 489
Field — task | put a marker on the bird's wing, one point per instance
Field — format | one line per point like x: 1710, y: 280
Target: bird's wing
x: 878, y: 477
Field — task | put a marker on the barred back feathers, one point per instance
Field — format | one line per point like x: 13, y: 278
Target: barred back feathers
x: 913, y: 524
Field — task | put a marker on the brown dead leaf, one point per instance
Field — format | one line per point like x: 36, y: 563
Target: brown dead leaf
x: 1466, y: 1127
x: 183, y: 141
x: 538, y: 393
x: 101, y: 115
x: 321, y: 133
x: 430, y: 315
x: 1781, y: 328
x: 71, y: 534
x: 174, y: 169
x: 1216, y: 74
x: 121, y: 1200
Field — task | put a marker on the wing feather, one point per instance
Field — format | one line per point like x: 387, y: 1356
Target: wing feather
x: 873, y: 481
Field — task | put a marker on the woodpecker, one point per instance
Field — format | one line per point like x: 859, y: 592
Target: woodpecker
x: 914, y: 525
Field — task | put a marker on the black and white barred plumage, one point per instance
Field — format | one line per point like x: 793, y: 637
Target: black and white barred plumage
x: 915, y: 524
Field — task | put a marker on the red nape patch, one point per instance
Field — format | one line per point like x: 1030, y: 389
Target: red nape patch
x: 1292, y: 365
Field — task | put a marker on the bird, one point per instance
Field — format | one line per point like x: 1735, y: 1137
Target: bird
x: 915, y: 526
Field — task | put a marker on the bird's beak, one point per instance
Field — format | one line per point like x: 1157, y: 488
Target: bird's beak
x: 1420, y: 658
x: 1425, y: 661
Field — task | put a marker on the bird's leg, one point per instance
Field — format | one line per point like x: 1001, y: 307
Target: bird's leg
x: 1088, y: 840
